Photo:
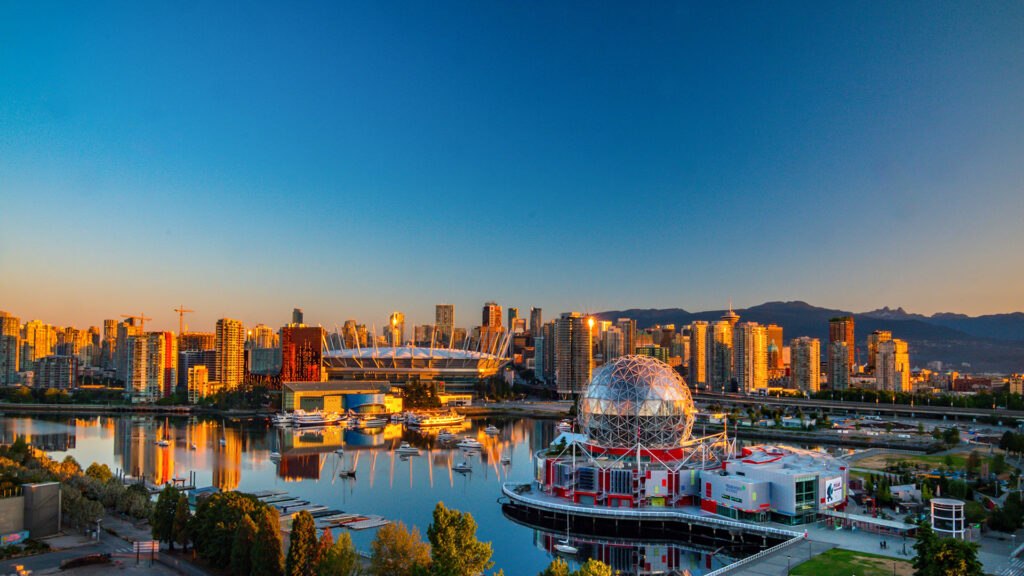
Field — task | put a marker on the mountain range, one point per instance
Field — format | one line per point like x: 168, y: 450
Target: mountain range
x: 990, y: 343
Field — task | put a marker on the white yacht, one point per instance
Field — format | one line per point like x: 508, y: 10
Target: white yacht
x: 492, y: 430
x: 406, y: 449
x: 445, y: 436
x: 442, y: 419
x: 303, y: 419
x: 470, y: 443
x: 463, y: 467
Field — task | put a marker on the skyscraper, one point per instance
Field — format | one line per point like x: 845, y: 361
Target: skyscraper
x: 394, y: 333
x: 841, y: 330
x: 261, y: 336
x: 170, y: 364
x: 491, y: 315
x: 302, y: 354
x: 491, y: 329
x: 37, y: 341
x: 874, y: 339
x: 125, y: 330
x: 612, y: 343
x: 719, y: 356
x: 838, y: 366
x: 197, y: 341
x: 698, y: 365
x: 573, y: 354
x: 230, y: 345
x: 806, y: 364
x: 775, y: 337
x: 10, y: 332
x: 628, y: 327
x: 539, y: 358
x: 513, y: 314
x: 297, y: 316
x: 444, y: 323
x: 751, y: 363
x: 893, y: 370
x: 536, y: 321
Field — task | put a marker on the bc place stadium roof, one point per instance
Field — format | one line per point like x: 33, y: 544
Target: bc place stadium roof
x: 411, y: 361
x: 409, y: 353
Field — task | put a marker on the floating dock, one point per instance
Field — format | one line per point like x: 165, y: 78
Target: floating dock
x: 287, y: 505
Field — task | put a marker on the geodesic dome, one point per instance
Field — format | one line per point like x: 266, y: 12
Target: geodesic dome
x: 636, y: 399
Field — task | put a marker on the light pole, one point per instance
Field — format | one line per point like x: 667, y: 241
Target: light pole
x: 787, y: 564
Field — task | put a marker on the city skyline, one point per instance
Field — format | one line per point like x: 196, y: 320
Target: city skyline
x: 342, y: 158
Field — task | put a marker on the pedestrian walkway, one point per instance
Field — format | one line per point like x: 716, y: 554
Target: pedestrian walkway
x: 780, y: 563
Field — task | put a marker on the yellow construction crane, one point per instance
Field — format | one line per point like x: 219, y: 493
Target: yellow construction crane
x: 181, y: 318
x: 141, y: 318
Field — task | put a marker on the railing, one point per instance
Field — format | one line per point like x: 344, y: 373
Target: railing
x: 749, y: 559
x: 11, y: 492
x: 646, y: 514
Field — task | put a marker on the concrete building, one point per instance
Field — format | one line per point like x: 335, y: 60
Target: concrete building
x: 125, y: 331
x: 513, y: 315
x: 893, y: 366
x: 539, y: 359
x: 806, y: 364
x: 613, y: 343
x: 361, y: 397
x: 840, y: 329
x: 536, y: 321
x: 874, y: 339
x: 698, y: 364
x: 10, y: 341
x: 751, y: 357
x: 56, y: 372
x: 191, y: 358
x: 261, y: 336
x: 37, y: 341
x: 394, y: 332
x: 197, y: 341
x: 573, y: 354
x: 1015, y: 384
x: 297, y: 317
x: 839, y: 373
x: 198, y: 382
x: 230, y: 346
x: 654, y: 351
x: 444, y: 324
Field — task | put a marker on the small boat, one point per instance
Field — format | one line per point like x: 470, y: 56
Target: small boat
x: 398, y: 417
x: 347, y: 473
x: 162, y: 443
x: 470, y: 443
x: 191, y: 446
x: 275, y: 455
x: 317, y: 418
x: 463, y: 467
x: 445, y: 436
x: 428, y: 420
x: 564, y: 547
x: 406, y: 449
x: 564, y: 426
x: 492, y: 430
x: 370, y: 421
x: 506, y: 460
x: 223, y: 442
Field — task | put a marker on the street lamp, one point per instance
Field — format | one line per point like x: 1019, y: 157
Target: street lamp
x: 787, y: 564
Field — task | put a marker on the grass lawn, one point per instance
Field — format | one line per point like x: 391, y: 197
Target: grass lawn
x: 881, y: 461
x: 849, y: 563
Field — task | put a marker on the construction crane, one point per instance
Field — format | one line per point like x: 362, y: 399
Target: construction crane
x: 181, y: 318
x: 141, y: 318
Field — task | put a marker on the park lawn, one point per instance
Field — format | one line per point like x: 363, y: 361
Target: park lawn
x: 843, y: 562
x: 881, y: 461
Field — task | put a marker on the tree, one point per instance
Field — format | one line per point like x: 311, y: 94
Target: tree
x: 217, y: 517
x: 594, y: 568
x: 454, y: 549
x: 241, y: 546
x: 954, y: 557
x: 998, y: 464
x: 302, y: 546
x: 339, y: 558
x: 182, y: 521
x: 162, y: 521
x: 924, y: 548
x: 267, y: 559
x: 99, y: 472
x: 920, y: 429
x: 398, y: 551
x: 558, y: 567
x: 973, y: 461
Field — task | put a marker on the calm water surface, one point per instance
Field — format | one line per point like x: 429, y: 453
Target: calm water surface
x: 386, y: 484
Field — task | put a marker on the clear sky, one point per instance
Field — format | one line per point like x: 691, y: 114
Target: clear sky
x: 358, y: 158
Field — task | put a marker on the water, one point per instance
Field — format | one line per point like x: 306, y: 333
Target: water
x: 386, y: 484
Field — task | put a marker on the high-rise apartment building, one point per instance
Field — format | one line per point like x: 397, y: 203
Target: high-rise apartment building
x: 838, y: 366
x: 190, y: 358
x: 156, y: 365
x: 136, y: 367
x: 444, y: 324
x: 874, y: 339
x: 612, y: 344
x: 297, y: 316
x: 536, y: 321
x: 805, y: 363
x: 774, y: 333
x: 197, y: 341
x: 38, y: 340
x: 198, y: 383
x: 394, y: 332
x: 125, y: 331
x: 628, y: 327
x: 491, y: 315
x: 302, y: 354
x: 750, y: 341
x: 841, y: 330
x: 719, y: 356
x: 491, y: 329
x: 56, y: 371
x: 230, y: 346
x: 1015, y: 383
x: 513, y: 315
x: 261, y: 336
x: 698, y: 365
x: 10, y: 340
x: 539, y: 359
x: 892, y: 372
x: 573, y: 354
x: 170, y: 364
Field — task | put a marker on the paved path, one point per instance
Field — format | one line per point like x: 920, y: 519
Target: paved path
x: 780, y: 563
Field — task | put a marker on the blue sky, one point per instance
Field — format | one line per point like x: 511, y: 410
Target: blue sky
x: 358, y: 158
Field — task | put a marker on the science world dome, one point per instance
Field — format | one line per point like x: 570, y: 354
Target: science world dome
x: 636, y: 400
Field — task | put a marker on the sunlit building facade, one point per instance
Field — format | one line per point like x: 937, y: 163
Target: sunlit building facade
x: 893, y: 370
x: 751, y: 357
x: 230, y: 346
x: 573, y: 354
x: 10, y: 338
x: 805, y: 363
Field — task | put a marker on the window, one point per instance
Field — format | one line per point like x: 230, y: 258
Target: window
x: 806, y: 495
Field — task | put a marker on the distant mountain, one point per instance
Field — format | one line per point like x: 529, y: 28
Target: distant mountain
x: 997, y: 326
x: 960, y: 343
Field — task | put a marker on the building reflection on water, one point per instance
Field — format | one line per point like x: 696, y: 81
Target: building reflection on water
x: 48, y: 436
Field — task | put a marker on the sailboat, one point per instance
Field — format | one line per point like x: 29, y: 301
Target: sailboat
x: 563, y: 546
x: 349, y: 472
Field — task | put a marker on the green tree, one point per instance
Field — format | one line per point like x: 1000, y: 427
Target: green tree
x: 182, y: 521
x: 302, y: 546
x: 217, y: 517
x: 920, y: 429
x: 454, y: 549
x: 99, y: 472
x: 954, y: 557
x: 398, y: 551
x: 998, y: 464
x: 973, y: 461
x: 924, y: 548
x: 241, y: 546
x: 339, y: 558
x: 267, y: 558
x: 594, y: 568
x: 162, y: 521
x: 558, y: 567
